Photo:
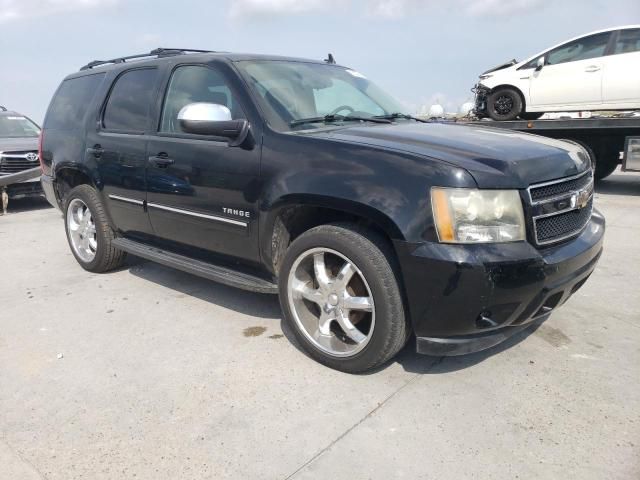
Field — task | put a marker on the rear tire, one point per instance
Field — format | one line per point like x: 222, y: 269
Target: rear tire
x: 88, y: 231
x: 504, y: 104
x: 316, y: 299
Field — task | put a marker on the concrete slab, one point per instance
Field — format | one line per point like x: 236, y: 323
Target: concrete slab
x: 165, y: 375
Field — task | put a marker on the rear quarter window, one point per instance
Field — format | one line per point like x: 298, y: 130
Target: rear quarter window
x: 127, y: 109
x: 71, y: 102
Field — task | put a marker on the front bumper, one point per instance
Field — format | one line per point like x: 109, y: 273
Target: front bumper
x: 480, y: 99
x: 466, y: 298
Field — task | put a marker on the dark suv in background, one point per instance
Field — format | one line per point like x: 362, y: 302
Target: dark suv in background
x: 18, y: 154
x: 303, y: 178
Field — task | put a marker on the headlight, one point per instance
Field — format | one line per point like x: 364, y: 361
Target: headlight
x: 465, y: 215
x: 484, y: 76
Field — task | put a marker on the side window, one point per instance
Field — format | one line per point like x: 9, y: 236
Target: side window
x: 628, y: 41
x: 71, y: 101
x: 129, y: 102
x: 581, y: 49
x: 343, y: 93
x: 194, y: 84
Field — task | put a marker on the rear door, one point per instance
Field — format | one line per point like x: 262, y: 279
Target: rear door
x: 201, y: 191
x: 117, y: 145
x: 621, y: 78
x: 572, y: 75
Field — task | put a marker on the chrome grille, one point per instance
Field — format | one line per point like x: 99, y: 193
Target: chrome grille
x: 561, y: 209
x: 554, y: 189
x: 556, y: 227
x: 13, y: 162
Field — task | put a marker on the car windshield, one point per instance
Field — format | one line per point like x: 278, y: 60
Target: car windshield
x: 16, y: 126
x: 290, y: 92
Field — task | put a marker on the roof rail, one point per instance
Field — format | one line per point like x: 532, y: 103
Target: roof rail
x: 157, y: 53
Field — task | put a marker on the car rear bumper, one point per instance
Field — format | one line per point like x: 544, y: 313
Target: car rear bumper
x: 466, y: 298
x: 49, y: 192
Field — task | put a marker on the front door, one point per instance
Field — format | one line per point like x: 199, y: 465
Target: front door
x: 201, y: 192
x: 571, y: 76
x: 117, y: 146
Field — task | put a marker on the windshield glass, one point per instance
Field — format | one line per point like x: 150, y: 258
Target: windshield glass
x: 288, y: 91
x: 16, y: 126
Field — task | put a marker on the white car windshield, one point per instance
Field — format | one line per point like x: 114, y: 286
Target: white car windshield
x: 290, y: 92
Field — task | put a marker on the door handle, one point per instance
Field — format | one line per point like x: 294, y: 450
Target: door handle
x: 96, y: 150
x: 161, y: 160
x: 592, y: 68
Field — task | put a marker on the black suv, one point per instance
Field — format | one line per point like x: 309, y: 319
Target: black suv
x: 304, y: 179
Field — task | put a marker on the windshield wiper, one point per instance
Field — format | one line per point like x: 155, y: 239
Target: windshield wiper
x: 394, y: 116
x: 337, y: 118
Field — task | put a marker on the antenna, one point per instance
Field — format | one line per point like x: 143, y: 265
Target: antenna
x: 3, y: 108
x: 330, y: 60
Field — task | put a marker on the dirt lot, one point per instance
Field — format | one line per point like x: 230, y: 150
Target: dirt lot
x: 149, y: 373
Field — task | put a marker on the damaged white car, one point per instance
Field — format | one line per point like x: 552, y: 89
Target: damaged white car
x: 598, y: 71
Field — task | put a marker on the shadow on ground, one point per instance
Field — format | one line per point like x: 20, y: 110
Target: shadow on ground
x: 620, y: 183
x: 416, y: 363
x: 27, y: 204
x: 267, y: 307
x: 248, y: 303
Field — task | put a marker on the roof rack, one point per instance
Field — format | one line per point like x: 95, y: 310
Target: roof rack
x: 157, y: 53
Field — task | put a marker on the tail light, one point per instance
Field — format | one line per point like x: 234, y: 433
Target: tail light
x: 40, y: 140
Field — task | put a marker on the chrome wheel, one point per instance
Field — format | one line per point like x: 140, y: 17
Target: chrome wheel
x: 331, y: 302
x: 82, y: 230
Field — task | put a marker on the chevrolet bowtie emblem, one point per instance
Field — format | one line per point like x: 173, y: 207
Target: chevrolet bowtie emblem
x: 581, y: 199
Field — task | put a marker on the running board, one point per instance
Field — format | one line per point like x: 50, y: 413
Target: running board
x: 210, y: 271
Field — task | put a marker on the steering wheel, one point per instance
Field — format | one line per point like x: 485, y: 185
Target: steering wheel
x: 340, y: 108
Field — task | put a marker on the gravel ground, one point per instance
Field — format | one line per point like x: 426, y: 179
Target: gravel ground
x: 149, y: 373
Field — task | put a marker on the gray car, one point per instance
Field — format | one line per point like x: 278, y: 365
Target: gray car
x: 19, y: 161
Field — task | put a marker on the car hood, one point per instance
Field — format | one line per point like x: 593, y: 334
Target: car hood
x: 508, y: 64
x: 18, y: 144
x: 496, y: 158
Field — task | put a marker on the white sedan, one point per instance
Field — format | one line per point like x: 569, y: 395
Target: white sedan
x: 598, y: 71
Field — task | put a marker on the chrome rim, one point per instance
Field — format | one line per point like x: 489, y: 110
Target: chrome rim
x: 82, y: 230
x: 331, y: 302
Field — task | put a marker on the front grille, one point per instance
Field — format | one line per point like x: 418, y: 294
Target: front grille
x: 563, y: 225
x: 13, y: 162
x: 561, y: 209
x: 552, y: 190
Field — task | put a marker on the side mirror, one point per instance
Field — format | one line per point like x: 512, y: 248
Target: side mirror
x: 540, y: 64
x: 214, y: 120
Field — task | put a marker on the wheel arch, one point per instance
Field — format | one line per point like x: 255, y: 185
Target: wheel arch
x: 518, y: 90
x: 294, y: 214
x: 68, y: 177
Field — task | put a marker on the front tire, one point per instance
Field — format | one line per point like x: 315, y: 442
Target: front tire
x: 504, y: 104
x: 88, y: 232
x: 340, y: 296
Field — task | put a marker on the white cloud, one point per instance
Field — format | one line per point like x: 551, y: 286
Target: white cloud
x: 389, y: 9
x: 500, y: 7
x: 12, y: 10
x: 242, y: 8
x: 394, y: 8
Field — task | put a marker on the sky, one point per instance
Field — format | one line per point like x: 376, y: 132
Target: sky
x: 420, y: 51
